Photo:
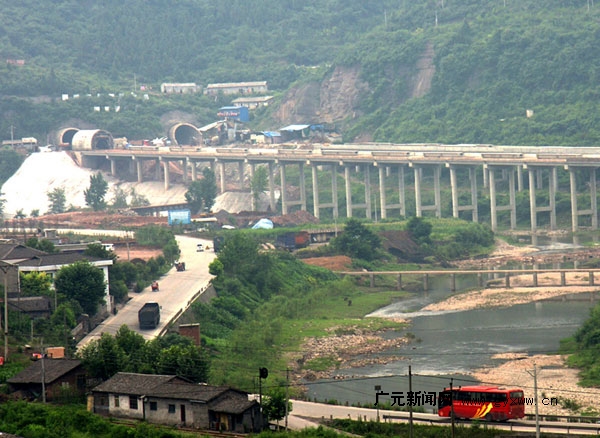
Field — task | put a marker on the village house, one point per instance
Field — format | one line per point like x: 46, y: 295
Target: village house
x: 172, y: 400
x: 236, y: 88
x: 63, y: 378
x: 179, y: 88
x: 16, y: 258
x: 252, y: 102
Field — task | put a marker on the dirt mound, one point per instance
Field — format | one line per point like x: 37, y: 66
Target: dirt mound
x: 102, y: 220
x: 143, y: 254
x: 297, y: 218
x: 336, y: 263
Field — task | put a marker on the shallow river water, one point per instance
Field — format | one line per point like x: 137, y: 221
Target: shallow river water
x: 450, y: 344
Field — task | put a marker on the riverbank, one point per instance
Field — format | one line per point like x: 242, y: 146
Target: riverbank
x: 558, y: 389
x: 556, y: 381
x: 354, y: 348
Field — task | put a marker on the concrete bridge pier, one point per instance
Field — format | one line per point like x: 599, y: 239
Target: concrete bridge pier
x: 519, y: 178
x: 456, y: 207
x: 194, y: 170
x: 385, y: 174
x: 494, y: 207
x: 350, y: 206
x: 593, y: 210
x: 536, y: 173
x: 167, y: 174
x: 252, y: 197
x: 367, y: 176
x: 486, y: 177
x: 285, y: 202
x: 283, y: 195
x: 222, y: 176
x: 382, y: 197
x: 139, y: 170
x: 437, y: 205
x: 271, y: 187
x: 157, y: 169
x: 348, y: 192
x: 317, y: 204
x: 241, y: 173
x: 302, y: 187
x: 184, y: 170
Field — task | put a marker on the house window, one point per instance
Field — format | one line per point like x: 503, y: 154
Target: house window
x: 103, y: 401
x: 171, y: 409
x: 153, y: 406
x: 116, y: 401
x: 81, y: 381
x: 133, y: 402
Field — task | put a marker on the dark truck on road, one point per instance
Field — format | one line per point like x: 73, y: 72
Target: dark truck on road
x: 149, y: 316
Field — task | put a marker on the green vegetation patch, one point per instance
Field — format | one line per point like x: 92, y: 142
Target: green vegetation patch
x: 584, y: 349
x: 322, y: 363
x: 375, y: 429
x: 33, y: 420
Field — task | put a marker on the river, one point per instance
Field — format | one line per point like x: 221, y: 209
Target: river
x: 451, y: 344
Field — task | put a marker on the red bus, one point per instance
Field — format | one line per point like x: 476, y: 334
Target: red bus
x: 490, y: 403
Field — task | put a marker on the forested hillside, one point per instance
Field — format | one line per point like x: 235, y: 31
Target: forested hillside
x: 488, y: 62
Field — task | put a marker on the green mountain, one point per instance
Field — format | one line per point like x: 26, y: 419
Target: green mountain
x: 447, y: 71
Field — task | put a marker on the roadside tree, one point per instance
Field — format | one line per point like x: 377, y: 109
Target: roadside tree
x: 119, y: 198
x: 193, y: 196
x: 41, y: 244
x: 57, y: 200
x: 274, y: 403
x: 35, y: 283
x: 419, y: 230
x: 258, y: 183
x: 357, y: 241
x: 201, y: 194
x: 103, y: 358
x: 95, y: 193
x: 83, y: 283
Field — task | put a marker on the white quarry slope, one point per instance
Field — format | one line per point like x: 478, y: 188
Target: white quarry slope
x: 43, y: 172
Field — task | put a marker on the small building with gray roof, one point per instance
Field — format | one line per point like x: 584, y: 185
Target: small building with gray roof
x: 172, y: 400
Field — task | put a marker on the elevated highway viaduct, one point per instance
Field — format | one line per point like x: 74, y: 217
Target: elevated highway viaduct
x: 437, y: 175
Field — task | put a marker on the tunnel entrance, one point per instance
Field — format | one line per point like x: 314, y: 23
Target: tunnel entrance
x: 65, y: 137
x: 185, y: 134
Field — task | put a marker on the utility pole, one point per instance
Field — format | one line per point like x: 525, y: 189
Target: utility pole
x: 535, y: 397
x: 452, y: 406
x: 410, y: 405
x: 5, y: 315
x: 5, y: 267
x: 377, y: 388
x: 287, y: 396
x: 43, y: 373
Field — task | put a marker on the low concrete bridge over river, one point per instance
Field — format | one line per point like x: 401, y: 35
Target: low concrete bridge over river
x: 487, y: 277
x: 468, y: 171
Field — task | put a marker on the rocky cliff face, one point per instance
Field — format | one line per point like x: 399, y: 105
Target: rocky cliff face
x: 333, y: 100
x: 336, y: 99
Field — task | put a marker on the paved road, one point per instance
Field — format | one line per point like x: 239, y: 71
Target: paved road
x: 307, y: 414
x: 177, y: 291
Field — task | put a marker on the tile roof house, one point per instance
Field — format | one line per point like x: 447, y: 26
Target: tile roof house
x: 34, y: 307
x: 15, y: 258
x: 171, y: 400
x: 61, y: 377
